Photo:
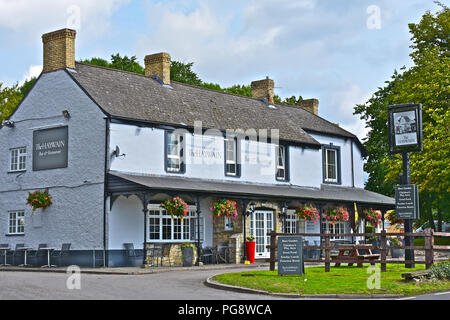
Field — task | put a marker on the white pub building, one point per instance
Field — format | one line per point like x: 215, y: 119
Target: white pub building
x: 110, y: 146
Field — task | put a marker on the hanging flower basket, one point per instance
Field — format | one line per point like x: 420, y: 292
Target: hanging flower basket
x: 176, y: 207
x: 390, y: 215
x: 371, y: 216
x: 38, y: 199
x: 225, y: 208
x: 334, y: 214
x: 308, y: 212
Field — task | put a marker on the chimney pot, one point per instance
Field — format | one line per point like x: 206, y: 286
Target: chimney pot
x: 158, y: 64
x: 311, y: 105
x: 59, y: 50
x: 263, y: 89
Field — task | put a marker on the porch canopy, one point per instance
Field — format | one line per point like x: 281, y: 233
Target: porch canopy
x: 121, y: 183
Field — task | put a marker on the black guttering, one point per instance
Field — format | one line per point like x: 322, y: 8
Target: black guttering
x: 172, y: 126
x: 105, y: 192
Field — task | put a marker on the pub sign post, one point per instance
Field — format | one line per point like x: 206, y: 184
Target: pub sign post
x: 405, y: 136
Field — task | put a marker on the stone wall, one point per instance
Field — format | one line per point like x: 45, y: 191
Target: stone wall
x: 173, y: 257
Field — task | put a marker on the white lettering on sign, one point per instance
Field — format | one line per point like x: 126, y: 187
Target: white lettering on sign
x: 50, y: 145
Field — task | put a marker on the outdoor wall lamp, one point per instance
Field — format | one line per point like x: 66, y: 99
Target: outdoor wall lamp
x: 66, y: 114
x: 251, y: 207
x: 8, y: 123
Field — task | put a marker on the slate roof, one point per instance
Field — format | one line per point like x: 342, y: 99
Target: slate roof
x: 133, y: 96
x: 324, y: 193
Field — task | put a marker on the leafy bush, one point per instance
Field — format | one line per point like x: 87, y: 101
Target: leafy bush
x: 441, y: 270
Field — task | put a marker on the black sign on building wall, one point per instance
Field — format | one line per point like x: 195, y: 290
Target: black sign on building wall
x: 50, y: 148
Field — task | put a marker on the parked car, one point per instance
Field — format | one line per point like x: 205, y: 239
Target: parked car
x: 426, y: 225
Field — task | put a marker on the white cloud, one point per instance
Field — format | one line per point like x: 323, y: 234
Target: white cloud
x: 33, y: 72
x: 27, y: 17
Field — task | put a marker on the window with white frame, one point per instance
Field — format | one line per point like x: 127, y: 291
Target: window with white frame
x: 291, y: 222
x: 16, y: 223
x: 174, y: 161
x: 231, y: 157
x: 18, y: 158
x: 229, y: 223
x: 335, y: 228
x: 281, y: 162
x: 162, y: 227
x: 331, y: 165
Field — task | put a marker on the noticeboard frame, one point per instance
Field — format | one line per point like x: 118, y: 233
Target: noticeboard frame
x: 417, y: 126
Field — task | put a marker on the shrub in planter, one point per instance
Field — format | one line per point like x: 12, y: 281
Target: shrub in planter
x: 38, y: 199
x: 308, y: 212
x: 334, y: 214
x: 225, y: 208
x: 176, y: 207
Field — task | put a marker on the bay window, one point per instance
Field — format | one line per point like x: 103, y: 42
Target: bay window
x: 162, y: 227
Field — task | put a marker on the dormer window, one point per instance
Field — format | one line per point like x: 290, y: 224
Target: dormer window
x: 331, y: 164
x: 174, y: 154
x: 231, y: 157
x: 281, y: 153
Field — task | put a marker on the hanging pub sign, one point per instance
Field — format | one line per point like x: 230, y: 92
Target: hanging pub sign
x: 290, y: 256
x: 50, y: 148
x: 405, y: 128
x: 407, y: 201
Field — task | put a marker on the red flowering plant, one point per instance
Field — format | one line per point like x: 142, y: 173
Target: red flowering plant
x: 334, y: 214
x: 308, y: 212
x: 223, y: 208
x: 176, y: 207
x: 372, y: 217
x: 390, y: 215
x: 38, y: 199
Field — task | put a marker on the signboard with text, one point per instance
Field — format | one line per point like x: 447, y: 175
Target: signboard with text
x: 290, y: 255
x: 405, y: 128
x: 407, y: 201
x: 50, y: 148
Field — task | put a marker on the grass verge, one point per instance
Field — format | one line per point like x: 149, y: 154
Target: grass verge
x: 342, y: 280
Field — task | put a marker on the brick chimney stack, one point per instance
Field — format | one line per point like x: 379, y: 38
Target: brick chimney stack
x: 158, y: 64
x: 263, y: 89
x: 311, y: 105
x: 59, y: 50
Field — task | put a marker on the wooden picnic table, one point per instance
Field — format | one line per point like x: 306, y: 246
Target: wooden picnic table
x: 351, y: 254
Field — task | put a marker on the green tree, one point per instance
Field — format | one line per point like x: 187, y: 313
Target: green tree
x: 9, y: 99
x: 426, y: 82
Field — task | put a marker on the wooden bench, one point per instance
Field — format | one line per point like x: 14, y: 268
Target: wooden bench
x: 415, y: 274
x: 351, y: 255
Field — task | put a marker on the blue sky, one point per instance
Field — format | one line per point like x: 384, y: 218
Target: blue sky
x: 338, y: 51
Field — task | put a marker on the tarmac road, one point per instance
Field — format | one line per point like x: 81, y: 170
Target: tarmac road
x: 173, y: 285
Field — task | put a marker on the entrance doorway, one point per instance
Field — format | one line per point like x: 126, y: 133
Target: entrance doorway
x: 261, y: 222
